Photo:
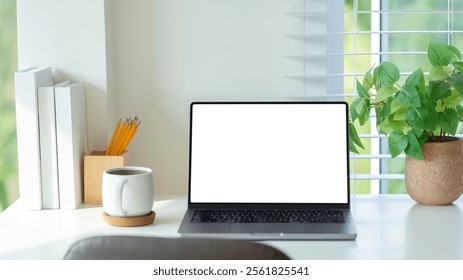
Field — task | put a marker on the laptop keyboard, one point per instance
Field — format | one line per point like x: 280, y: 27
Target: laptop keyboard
x: 268, y: 216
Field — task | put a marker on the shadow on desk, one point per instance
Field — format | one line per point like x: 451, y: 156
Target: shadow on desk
x: 434, y: 232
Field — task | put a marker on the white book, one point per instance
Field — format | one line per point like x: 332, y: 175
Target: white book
x: 48, y: 149
x: 71, y: 139
x: 27, y: 129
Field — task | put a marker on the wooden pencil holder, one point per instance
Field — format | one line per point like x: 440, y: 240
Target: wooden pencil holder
x: 95, y: 164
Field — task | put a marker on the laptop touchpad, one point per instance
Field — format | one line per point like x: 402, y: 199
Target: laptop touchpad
x: 266, y: 228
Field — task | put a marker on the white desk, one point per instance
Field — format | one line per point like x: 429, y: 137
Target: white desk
x: 389, y: 227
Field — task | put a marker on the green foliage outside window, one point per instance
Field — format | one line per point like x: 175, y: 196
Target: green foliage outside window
x: 8, y: 65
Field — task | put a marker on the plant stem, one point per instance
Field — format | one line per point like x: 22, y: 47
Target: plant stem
x: 442, y: 135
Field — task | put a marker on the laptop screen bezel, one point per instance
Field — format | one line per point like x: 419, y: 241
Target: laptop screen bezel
x: 201, y: 205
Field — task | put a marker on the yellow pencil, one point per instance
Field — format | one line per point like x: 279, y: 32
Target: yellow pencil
x: 113, y: 137
x: 121, y: 134
x: 129, y: 137
x: 124, y: 138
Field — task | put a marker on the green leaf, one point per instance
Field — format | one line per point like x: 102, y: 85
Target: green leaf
x: 365, y: 115
x: 413, y: 148
x: 439, y: 90
x: 453, y: 100
x: 438, y: 54
x: 384, y: 92
x: 440, y: 107
x: 456, y: 55
x: 409, y: 96
x: 383, y: 110
x: 416, y: 117
x: 389, y: 125
x: 401, y: 114
x: 356, y: 108
x: 418, y: 132
x: 423, y: 138
x: 417, y: 79
x: 395, y: 105
x: 422, y: 118
x: 448, y: 120
x: 352, y: 147
x: 397, y: 143
x: 458, y: 65
x: 362, y: 92
x: 428, y: 102
x: 360, y: 109
x: 388, y: 73
x: 459, y: 110
x: 430, y: 121
x: 443, y: 90
x: 375, y: 78
x: 456, y: 80
x: 353, y: 135
x: 368, y: 81
x: 437, y: 73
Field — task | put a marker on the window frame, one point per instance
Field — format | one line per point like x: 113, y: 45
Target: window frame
x: 378, y: 51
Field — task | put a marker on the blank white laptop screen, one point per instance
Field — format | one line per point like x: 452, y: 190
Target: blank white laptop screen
x: 269, y: 153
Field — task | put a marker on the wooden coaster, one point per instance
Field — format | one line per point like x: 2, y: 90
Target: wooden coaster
x: 130, y: 221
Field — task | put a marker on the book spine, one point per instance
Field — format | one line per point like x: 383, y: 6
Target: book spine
x: 49, y: 161
x: 27, y: 125
x: 71, y: 136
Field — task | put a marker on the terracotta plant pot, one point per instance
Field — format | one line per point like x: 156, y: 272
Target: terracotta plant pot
x: 438, y: 179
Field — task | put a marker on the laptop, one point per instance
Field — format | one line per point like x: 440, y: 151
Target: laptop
x: 269, y: 170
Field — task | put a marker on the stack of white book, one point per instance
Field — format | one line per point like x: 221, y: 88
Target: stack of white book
x: 52, y: 140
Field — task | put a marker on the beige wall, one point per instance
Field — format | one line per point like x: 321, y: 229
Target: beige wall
x: 151, y: 58
x: 166, y: 54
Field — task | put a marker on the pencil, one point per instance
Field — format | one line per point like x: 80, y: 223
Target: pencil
x: 124, y: 138
x: 119, y: 137
x: 113, y: 137
x: 129, y: 137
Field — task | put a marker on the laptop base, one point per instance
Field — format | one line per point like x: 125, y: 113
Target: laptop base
x: 268, y: 231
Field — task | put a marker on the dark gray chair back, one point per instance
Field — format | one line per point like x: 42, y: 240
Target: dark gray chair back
x: 154, y: 248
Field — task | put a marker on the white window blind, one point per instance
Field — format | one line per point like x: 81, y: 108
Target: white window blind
x: 341, y: 40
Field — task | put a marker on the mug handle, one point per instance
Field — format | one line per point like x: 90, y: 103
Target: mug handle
x: 119, y: 188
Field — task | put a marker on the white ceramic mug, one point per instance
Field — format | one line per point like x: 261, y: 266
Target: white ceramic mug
x: 127, y: 191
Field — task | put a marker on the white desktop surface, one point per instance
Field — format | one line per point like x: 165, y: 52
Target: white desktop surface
x: 388, y: 226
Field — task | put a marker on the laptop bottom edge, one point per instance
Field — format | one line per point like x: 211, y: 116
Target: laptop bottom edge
x: 265, y: 236
x: 269, y: 231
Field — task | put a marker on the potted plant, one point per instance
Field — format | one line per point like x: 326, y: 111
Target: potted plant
x: 420, y: 118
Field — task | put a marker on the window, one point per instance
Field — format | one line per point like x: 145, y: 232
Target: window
x: 351, y: 37
x: 8, y: 65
